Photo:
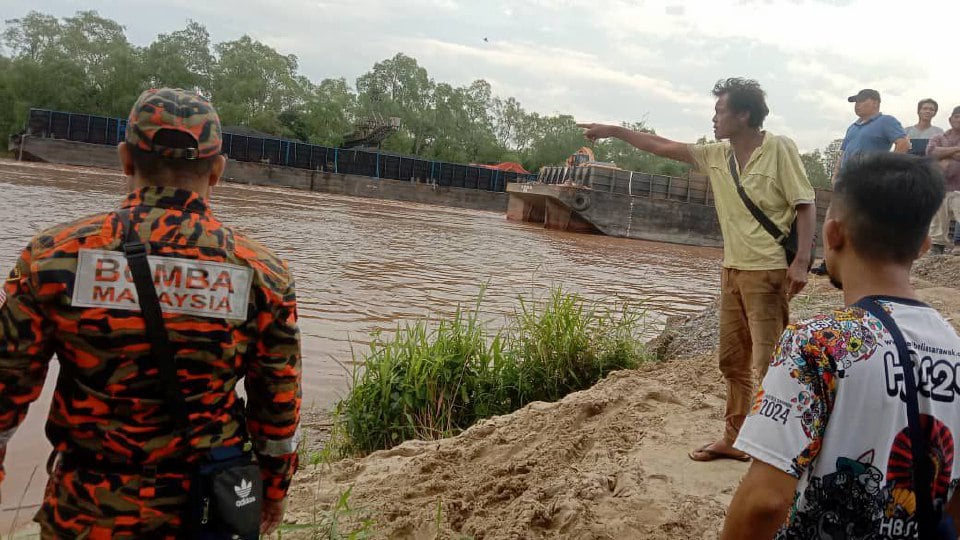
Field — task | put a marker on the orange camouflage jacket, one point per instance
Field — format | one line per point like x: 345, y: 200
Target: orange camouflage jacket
x: 229, y: 308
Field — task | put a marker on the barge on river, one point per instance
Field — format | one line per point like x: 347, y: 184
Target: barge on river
x: 90, y: 141
x: 617, y: 202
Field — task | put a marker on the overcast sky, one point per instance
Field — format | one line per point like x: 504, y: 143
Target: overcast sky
x: 606, y: 60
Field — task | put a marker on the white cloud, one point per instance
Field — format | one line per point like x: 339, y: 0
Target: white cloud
x: 551, y: 66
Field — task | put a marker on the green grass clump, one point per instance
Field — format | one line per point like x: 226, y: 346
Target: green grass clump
x: 329, y: 525
x: 430, y: 381
x: 567, y: 344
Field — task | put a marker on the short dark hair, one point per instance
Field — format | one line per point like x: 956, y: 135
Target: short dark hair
x: 887, y: 201
x: 744, y: 95
x: 922, y: 102
x: 149, y: 164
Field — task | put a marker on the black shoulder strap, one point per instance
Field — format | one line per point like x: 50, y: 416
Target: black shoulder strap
x: 767, y: 224
x: 922, y: 468
x: 160, y: 348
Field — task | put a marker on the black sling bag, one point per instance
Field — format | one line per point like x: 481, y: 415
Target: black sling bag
x: 788, y: 241
x: 932, y: 524
x: 226, y: 490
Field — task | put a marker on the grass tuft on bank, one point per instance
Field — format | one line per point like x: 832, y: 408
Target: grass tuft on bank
x: 432, y: 379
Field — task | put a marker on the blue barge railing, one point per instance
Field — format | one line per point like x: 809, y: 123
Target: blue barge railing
x: 288, y: 153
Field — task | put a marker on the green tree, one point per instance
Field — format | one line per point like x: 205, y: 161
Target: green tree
x: 399, y: 87
x: 110, y: 65
x: 480, y: 139
x: 80, y: 63
x: 556, y: 138
x: 9, y: 120
x: 33, y: 36
x: 253, y: 84
x: 181, y: 59
x: 508, y: 118
x: 330, y: 111
x: 831, y: 155
x: 813, y: 163
x: 448, y: 121
x: 461, y: 125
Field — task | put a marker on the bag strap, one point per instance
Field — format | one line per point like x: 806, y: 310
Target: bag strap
x: 765, y: 222
x: 922, y: 468
x: 160, y: 348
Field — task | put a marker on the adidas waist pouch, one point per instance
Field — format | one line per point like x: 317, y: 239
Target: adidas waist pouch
x: 226, y: 497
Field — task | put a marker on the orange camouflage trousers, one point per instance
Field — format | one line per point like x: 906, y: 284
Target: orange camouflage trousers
x: 95, y: 505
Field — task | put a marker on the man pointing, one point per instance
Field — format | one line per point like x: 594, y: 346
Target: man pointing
x: 757, y: 282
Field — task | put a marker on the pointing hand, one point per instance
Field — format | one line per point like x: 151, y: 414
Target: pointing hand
x: 597, y: 131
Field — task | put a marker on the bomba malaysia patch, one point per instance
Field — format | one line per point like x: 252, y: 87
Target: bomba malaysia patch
x: 201, y: 288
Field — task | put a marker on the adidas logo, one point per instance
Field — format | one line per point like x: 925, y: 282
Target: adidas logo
x: 243, y: 493
x: 244, y: 489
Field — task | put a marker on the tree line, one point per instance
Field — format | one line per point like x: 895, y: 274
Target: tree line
x: 85, y: 64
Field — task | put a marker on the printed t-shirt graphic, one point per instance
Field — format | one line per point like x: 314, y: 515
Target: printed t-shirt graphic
x: 831, y: 412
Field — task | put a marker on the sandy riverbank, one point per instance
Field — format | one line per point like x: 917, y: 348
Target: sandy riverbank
x: 608, y: 462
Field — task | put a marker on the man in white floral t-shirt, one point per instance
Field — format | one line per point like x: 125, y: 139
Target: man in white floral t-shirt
x: 828, y: 431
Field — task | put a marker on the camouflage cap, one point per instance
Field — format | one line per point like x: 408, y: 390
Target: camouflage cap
x: 178, y: 110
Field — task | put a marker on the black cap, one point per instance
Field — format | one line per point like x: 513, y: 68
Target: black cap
x: 866, y: 93
x: 956, y: 110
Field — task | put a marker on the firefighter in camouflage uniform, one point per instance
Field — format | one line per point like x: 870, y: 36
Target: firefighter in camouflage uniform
x: 120, y: 470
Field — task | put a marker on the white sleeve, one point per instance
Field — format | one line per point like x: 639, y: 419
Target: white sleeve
x: 785, y: 426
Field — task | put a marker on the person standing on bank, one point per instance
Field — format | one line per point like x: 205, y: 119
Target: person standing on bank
x: 945, y: 149
x: 757, y: 282
x: 872, y: 132
x: 853, y: 431
x: 156, y: 311
x: 921, y: 133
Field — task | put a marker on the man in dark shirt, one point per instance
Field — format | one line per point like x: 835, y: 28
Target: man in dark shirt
x: 945, y: 149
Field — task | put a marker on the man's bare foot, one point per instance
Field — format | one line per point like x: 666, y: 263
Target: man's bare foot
x: 718, y: 450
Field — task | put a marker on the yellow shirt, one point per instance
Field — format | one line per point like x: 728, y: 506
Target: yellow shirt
x: 775, y: 181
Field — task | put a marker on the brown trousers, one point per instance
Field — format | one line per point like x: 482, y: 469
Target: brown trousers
x: 753, y: 313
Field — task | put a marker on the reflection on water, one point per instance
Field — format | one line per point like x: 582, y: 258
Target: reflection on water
x: 363, y: 265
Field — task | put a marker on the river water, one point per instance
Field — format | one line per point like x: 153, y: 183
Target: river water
x: 363, y: 265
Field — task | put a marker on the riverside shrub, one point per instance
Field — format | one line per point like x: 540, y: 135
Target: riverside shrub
x: 433, y: 381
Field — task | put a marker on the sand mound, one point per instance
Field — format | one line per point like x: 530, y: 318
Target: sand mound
x: 943, y: 271
x: 608, y: 462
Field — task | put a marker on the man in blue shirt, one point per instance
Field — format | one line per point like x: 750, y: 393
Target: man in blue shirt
x: 872, y: 132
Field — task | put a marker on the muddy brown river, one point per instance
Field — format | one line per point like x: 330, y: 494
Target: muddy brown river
x: 363, y: 265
